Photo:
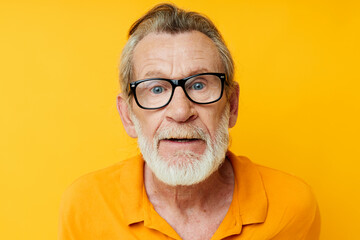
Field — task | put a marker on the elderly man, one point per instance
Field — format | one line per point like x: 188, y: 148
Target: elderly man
x: 179, y: 98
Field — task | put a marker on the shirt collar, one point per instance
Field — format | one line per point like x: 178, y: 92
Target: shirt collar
x: 136, y: 207
x: 249, y: 203
x: 132, y: 184
x: 250, y: 199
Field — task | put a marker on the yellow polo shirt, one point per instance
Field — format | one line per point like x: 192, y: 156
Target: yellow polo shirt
x: 111, y: 204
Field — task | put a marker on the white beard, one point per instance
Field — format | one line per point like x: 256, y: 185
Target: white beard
x: 185, y: 167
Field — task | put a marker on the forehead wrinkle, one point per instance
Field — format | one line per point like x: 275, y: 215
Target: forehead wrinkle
x: 150, y: 69
x: 180, y: 68
x: 187, y: 73
x: 173, y: 60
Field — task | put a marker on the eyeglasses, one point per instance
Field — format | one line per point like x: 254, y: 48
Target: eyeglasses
x: 155, y: 93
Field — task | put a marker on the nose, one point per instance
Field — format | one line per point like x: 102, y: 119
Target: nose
x: 180, y: 109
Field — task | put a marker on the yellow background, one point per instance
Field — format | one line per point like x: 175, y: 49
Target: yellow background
x: 297, y: 63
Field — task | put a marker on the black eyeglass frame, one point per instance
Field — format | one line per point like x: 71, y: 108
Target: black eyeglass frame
x: 177, y: 83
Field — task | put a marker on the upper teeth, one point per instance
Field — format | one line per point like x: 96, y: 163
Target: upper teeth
x: 181, y: 140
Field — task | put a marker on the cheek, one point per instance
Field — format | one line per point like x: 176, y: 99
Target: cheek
x: 149, y: 130
x: 211, y: 117
x: 148, y: 121
x: 211, y: 122
x: 212, y: 129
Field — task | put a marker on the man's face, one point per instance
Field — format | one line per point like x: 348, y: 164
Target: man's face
x: 195, y: 132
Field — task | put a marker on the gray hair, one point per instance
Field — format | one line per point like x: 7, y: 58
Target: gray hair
x: 167, y: 18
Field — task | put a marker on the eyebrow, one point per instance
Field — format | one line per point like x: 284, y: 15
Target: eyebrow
x: 154, y: 74
x: 151, y: 74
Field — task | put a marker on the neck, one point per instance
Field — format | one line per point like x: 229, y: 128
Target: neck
x: 204, y: 195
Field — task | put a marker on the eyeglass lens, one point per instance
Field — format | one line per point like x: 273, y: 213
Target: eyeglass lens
x: 156, y: 93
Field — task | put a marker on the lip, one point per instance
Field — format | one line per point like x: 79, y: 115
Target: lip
x: 181, y: 140
x: 194, y: 145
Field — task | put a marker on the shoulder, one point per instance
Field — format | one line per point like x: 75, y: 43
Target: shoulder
x: 99, y: 185
x: 274, y: 182
x: 286, y: 188
x: 93, y: 206
x: 91, y: 181
x: 292, y: 205
x: 282, y: 190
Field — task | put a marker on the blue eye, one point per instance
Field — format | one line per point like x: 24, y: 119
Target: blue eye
x: 197, y: 86
x: 157, y: 90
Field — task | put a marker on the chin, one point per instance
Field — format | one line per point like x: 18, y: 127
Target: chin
x: 186, y: 167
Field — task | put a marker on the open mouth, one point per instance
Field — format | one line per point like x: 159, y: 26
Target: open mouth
x: 182, y: 140
x: 170, y: 145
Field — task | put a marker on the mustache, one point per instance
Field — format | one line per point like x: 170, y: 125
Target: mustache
x: 181, y: 132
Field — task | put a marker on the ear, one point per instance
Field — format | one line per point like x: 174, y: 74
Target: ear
x: 234, y: 104
x: 124, y: 112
